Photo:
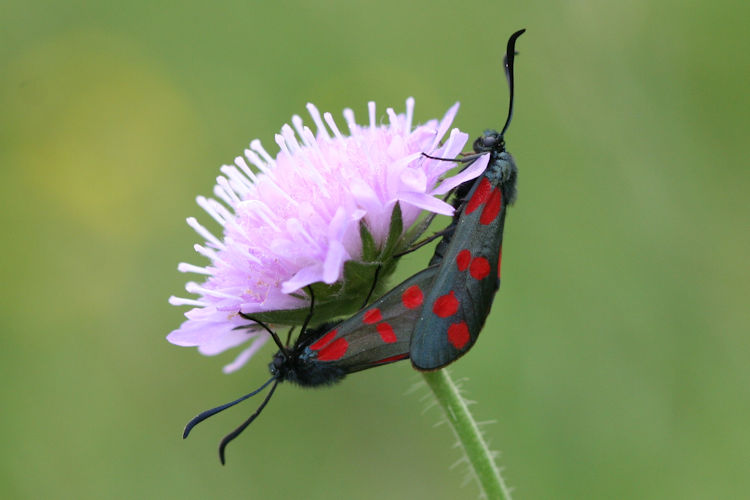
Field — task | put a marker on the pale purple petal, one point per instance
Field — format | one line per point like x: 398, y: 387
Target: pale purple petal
x: 246, y: 354
x: 227, y: 340
x: 450, y: 149
x: 304, y: 277
x: 334, y: 262
x: 473, y: 171
x: 211, y: 333
x: 445, y: 124
x: 365, y: 196
x: 414, y: 181
x: 427, y: 202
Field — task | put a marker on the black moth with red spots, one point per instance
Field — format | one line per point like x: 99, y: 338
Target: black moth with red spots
x: 461, y: 295
x: 377, y: 335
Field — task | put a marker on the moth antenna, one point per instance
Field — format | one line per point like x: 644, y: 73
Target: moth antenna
x: 229, y: 437
x: 508, y: 64
x: 310, y: 314
x: 428, y: 239
x: 213, y: 411
x: 466, y: 159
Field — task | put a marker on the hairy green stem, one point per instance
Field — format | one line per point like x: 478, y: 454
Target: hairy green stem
x: 479, y: 455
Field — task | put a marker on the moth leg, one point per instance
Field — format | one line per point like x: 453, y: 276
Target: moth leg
x: 417, y: 246
x: 275, y: 337
x: 289, y: 337
x: 312, y: 307
x: 374, y: 284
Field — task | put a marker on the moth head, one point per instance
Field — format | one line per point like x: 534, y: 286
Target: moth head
x: 490, y: 141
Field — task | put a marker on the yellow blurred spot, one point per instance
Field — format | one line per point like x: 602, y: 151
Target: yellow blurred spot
x: 98, y: 129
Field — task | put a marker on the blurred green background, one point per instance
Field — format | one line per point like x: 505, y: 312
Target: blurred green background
x: 615, y: 361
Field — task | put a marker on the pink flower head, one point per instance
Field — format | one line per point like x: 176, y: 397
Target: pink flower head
x: 295, y: 220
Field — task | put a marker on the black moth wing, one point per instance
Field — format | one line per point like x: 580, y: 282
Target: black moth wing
x: 378, y: 334
x: 461, y: 296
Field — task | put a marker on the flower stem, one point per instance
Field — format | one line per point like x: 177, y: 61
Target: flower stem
x: 469, y: 436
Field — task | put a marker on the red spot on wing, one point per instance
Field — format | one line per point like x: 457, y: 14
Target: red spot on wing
x: 386, y: 332
x: 391, y: 359
x: 492, y: 208
x: 412, y: 297
x: 334, y: 351
x: 499, y: 261
x: 323, y: 340
x: 480, y: 268
x: 458, y: 335
x: 480, y: 195
x: 446, y: 305
x: 462, y: 259
x: 372, y: 316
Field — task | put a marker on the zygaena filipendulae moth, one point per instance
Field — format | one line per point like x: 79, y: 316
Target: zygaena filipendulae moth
x: 469, y: 276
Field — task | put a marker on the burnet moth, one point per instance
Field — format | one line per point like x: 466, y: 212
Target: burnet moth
x: 378, y: 334
x: 469, y: 275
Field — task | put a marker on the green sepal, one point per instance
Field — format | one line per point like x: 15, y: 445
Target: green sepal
x: 395, y: 231
x: 370, y: 250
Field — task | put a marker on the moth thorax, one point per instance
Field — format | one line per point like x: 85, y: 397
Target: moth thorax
x: 503, y: 172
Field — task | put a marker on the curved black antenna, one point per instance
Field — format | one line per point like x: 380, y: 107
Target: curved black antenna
x: 229, y: 437
x: 510, y: 54
x: 213, y: 411
x: 275, y: 337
